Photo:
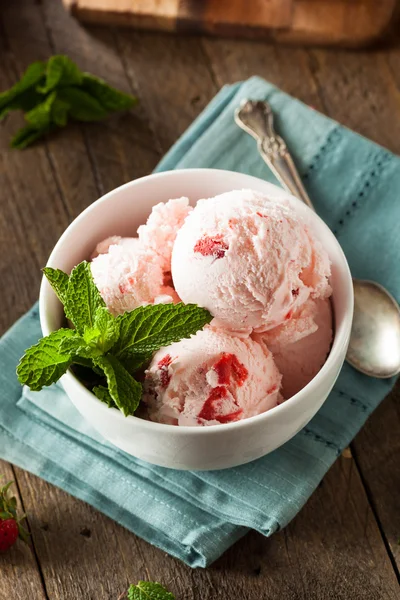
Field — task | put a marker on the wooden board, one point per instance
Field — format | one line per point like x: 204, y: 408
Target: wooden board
x: 339, y: 22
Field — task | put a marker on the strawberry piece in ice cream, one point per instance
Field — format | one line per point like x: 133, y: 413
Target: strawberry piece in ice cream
x: 249, y: 259
x: 211, y: 246
x: 211, y: 378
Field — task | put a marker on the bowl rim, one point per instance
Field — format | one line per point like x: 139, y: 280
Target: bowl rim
x: 340, y: 338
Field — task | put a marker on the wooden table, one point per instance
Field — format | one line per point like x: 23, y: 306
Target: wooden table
x: 345, y: 542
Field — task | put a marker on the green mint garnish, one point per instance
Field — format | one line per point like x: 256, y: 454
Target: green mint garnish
x: 125, y: 391
x: 58, y: 281
x: 45, y: 362
x: 147, y: 590
x: 82, y: 298
x: 142, y: 332
x: 52, y: 93
x: 114, y: 348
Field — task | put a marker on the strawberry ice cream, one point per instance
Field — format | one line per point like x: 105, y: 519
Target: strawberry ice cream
x: 259, y: 270
x: 211, y: 378
x: 300, y: 346
x: 249, y: 260
x: 127, y: 276
x: 159, y: 233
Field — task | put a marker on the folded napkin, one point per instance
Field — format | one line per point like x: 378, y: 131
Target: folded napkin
x: 354, y: 185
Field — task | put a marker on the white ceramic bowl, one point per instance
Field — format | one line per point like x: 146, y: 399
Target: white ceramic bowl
x: 219, y: 446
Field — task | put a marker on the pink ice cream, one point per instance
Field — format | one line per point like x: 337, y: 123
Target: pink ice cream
x: 131, y: 272
x: 128, y: 276
x: 159, y: 233
x: 248, y: 259
x: 211, y: 378
x: 301, y: 345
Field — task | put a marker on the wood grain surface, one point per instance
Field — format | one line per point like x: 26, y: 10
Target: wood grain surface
x: 344, y: 543
x: 336, y: 22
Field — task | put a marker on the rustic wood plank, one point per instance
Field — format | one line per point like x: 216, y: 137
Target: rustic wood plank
x: 359, y: 91
x: 287, y: 68
x: 121, y: 148
x: 377, y: 451
x: 180, y: 84
x: 19, y: 572
x: 33, y: 215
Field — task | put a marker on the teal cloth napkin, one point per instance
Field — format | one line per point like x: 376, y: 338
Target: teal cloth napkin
x: 355, y: 186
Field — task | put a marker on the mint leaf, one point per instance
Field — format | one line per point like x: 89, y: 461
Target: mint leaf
x: 32, y: 76
x: 79, y: 347
x: 103, y: 394
x: 82, y: 106
x: 45, y: 362
x: 110, y: 98
x: 134, y: 361
x: 123, y: 388
x: 148, y: 590
x: 82, y: 298
x: 60, y: 71
x: 24, y: 101
x: 107, y: 327
x: 27, y: 135
x: 59, y: 112
x: 148, y: 328
x: 40, y: 116
x: 58, y: 281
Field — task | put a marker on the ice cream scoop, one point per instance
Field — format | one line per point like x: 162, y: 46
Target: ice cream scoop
x: 249, y: 260
x: 128, y: 276
x: 300, y: 346
x: 159, y: 233
x: 210, y: 379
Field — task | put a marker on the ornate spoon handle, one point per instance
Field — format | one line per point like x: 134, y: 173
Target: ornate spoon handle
x: 257, y: 119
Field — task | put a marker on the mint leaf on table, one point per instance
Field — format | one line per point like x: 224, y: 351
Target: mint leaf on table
x: 148, y: 590
x: 28, y: 135
x: 123, y: 388
x: 82, y: 106
x: 40, y: 116
x: 16, y: 97
x: 24, y: 101
x: 45, y: 362
x: 60, y: 71
x: 148, y: 328
x: 52, y: 93
x: 82, y: 298
x: 58, y: 281
x: 110, y: 98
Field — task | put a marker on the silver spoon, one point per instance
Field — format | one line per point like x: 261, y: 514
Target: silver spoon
x: 374, y: 347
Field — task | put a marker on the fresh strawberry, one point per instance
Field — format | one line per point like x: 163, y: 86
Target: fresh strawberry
x: 8, y: 534
x: 10, y: 525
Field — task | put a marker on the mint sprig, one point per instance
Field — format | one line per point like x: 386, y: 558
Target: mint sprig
x: 52, y: 93
x: 114, y: 348
x: 149, y: 590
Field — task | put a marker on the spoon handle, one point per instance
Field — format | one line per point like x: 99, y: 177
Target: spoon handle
x: 257, y: 119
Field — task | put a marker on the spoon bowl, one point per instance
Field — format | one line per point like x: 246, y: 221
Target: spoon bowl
x: 376, y: 318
